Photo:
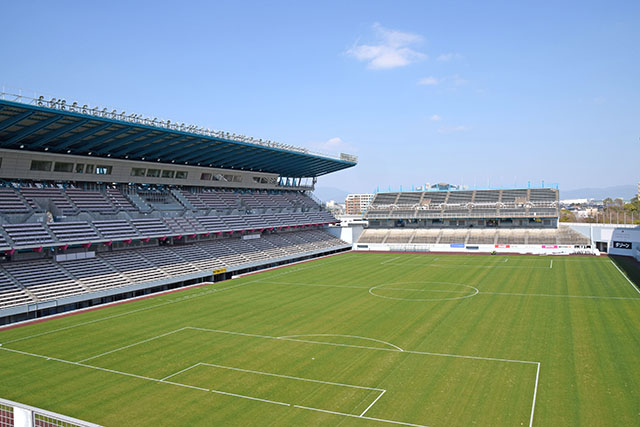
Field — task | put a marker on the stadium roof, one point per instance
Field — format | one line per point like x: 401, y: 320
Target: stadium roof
x: 57, y: 127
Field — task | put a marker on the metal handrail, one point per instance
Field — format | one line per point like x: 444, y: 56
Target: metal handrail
x: 75, y: 107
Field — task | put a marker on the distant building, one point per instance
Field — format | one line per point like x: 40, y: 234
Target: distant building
x: 356, y: 204
x: 334, y: 207
x: 639, y: 190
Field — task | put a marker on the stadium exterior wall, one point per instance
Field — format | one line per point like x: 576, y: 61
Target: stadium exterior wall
x: 348, y: 233
x: 620, y: 239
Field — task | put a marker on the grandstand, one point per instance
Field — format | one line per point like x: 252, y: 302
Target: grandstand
x: 97, y: 205
x: 507, y: 220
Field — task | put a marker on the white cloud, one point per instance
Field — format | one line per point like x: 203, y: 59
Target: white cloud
x: 333, y: 145
x: 391, y: 49
x: 435, y: 118
x: 453, y: 129
x: 446, y: 57
x: 428, y: 81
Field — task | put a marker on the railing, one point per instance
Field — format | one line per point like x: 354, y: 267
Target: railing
x: 17, y: 414
x: 441, y: 215
x: 75, y: 107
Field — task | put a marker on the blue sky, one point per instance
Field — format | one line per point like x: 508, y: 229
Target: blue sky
x: 479, y: 93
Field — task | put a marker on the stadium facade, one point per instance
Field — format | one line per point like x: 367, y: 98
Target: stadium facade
x: 98, y: 205
x: 521, y: 220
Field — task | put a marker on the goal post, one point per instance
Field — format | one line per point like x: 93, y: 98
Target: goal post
x: 14, y: 414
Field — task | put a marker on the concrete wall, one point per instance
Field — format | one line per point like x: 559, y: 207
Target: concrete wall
x: 503, y: 249
x: 611, y: 233
x: 16, y: 165
x: 349, y: 233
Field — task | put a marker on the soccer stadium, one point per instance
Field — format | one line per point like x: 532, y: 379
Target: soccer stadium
x: 362, y: 213
x: 159, y: 274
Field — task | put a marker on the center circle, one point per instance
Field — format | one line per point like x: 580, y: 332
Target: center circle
x: 423, y: 291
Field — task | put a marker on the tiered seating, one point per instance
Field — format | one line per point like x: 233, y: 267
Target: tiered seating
x: 250, y: 201
x: 53, y: 194
x: 90, y: 201
x: 72, y: 231
x: 436, y: 198
x: 461, y: 197
x: 183, y: 226
x: 10, y: 294
x: 240, y: 247
x: 212, y: 224
x: 543, y: 195
x: 95, y: 273
x: 151, y: 227
x: 193, y: 199
x: 400, y: 236
x: 200, y: 258
x: 11, y: 203
x: 118, y: 200
x: 31, y: 234
x: 513, y: 196
x: 484, y: 237
x: 235, y: 222
x: 279, y: 201
x: 474, y: 236
x: 300, y: 200
x: 44, y: 279
x: 454, y: 236
x: 513, y: 237
x: 267, y: 248
x: 466, y: 204
x: 222, y: 253
x: 48, y: 280
x: 3, y: 242
x: 409, y: 199
x: 373, y: 236
x: 169, y: 262
x: 115, y: 229
x: 427, y: 236
x: 485, y: 196
x: 384, y: 198
x: 135, y: 267
x: 567, y: 236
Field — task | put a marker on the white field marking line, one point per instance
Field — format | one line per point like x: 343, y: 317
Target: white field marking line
x: 426, y: 353
x: 130, y: 345
x: 179, y: 372
x: 625, y: 276
x: 185, y: 298
x: 506, y: 259
x: 212, y: 391
x: 421, y: 290
x: 373, y: 403
x: 99, y: 368
x: 353, y: 287
x: 128, y: 312
x: 339, y: 335
x: 389, y: 260
x: 361, y: 417
x: 535, y: 392
x: 477, y: 291
x: 559, y: 296
x: 291, y: 377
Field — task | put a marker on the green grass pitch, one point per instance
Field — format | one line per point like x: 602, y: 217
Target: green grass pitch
x: 354, y: 339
